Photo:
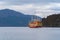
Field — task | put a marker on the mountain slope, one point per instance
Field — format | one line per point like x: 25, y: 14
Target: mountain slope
x: 10, y: 17
x: 51, y: 21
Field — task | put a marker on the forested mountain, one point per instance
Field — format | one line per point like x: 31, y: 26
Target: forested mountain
x: 51, y: 21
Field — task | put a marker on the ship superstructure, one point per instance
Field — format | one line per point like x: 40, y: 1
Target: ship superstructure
x: 35, y: 22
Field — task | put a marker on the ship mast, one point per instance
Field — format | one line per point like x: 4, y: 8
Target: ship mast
x: 34, y: 16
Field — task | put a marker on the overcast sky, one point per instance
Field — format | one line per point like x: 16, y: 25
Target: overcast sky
x: 40, y: 8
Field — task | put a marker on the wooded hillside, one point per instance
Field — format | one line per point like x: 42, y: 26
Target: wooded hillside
x: 52, y: 21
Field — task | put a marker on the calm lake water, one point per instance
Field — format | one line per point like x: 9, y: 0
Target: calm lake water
x: 25, y: 33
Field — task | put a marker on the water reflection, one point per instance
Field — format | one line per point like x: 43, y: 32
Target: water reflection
x: 25, y: 33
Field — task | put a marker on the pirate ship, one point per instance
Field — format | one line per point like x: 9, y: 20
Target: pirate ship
x: 35, y: 22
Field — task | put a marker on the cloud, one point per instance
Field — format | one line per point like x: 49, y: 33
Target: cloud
x: 47, y: 9
x: 2, y: 4
x: 41, y: 8
x: 22, y: 2
x: 26, y: 9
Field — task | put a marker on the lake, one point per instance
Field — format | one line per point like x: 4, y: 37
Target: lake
x: 26, y: 33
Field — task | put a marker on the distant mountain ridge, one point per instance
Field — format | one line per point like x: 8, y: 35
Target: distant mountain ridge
x: 11, y: 18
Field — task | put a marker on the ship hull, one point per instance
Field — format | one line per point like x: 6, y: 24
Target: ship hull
x: 35, y: 24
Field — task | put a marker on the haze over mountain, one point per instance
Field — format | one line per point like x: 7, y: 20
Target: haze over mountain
x: 11, y: 18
